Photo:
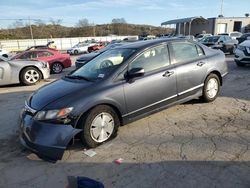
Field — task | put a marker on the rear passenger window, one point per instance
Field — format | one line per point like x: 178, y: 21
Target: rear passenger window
x: 152, y: 59
x: 185, y: 51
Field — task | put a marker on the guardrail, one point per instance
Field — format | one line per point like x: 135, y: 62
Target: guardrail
x: 61, y: 43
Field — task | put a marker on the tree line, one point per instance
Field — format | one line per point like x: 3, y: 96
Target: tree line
x: 83, y: 28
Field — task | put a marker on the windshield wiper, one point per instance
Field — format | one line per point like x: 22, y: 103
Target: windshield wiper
x: 79, y: 77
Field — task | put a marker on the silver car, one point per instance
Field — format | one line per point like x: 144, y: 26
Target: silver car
x: 26, y: 72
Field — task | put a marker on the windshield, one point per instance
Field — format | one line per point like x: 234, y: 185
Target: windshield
x: 211, y: 39
x: 103, y: 65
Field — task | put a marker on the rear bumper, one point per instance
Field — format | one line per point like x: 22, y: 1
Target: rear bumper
x: 67, y: 63
x: 47, y: 140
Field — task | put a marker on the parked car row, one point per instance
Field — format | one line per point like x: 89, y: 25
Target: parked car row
x: 86, y: 47
x: 92, y: 102
x: 221, y: 42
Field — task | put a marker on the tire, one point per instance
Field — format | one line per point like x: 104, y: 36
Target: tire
x: 239, y: 64
x: 30, y: 76
x: 76, y: 52
x: 56, y: 68
x: 91, y: 134
x: 210, y: 94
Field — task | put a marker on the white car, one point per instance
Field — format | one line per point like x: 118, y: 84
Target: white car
x: 4, y: 53
x: 81, y: 47
x: 202, y: 36
x: 242, y: 53
x: 235, y: 34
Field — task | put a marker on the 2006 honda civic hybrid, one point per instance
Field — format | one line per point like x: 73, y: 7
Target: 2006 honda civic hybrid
x: 118, y: 87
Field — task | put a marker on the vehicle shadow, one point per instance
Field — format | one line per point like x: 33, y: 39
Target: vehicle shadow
x: 148, y: 169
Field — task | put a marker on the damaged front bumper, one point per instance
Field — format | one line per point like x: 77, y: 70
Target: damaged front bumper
x: 47, y: 140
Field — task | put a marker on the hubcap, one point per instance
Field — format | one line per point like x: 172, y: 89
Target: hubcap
x: 57, y: 67
x: 102, y: 127
x: 31, y: 76
x: 212, y: 88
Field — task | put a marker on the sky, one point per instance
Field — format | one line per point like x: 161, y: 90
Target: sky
x: 151, y: 12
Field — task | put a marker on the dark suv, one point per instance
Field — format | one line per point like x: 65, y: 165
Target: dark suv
x: 118, y: 87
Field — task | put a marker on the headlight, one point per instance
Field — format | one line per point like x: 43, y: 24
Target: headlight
x: 53, y: 114
x: 43, y: 64
x: 242, y: 48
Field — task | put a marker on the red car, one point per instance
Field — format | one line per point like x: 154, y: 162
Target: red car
x: 95, y: 47
x: 56, y: 60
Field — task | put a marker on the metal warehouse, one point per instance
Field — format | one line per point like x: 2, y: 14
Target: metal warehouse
x: 217, y: 25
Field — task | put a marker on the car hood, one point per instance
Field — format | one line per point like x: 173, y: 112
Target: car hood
x: 87, y: 57
x: 55, y: 91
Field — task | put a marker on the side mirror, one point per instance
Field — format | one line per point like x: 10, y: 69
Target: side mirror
x: 134, y: 73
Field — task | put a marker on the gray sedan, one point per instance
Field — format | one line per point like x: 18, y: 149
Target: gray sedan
x: 26, y: 72
x: 117, y: 87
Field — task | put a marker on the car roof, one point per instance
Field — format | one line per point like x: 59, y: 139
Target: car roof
x: 148, y: 43
x: 45, y: 49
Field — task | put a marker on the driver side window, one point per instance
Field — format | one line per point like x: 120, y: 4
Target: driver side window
x: 152, y: 59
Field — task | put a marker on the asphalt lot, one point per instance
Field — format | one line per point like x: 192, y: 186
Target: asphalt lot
x: 189, y: 145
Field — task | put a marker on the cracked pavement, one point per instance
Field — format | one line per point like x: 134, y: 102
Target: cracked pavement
x: 190, y: 145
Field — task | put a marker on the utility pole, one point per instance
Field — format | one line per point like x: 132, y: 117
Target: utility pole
x: 31, y: 33
x: 94, y: 29
x: 221, y: 7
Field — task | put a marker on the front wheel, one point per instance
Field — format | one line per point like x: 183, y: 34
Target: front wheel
x: 99, y: 125
x: 30, y: 76
x: 211, y: 88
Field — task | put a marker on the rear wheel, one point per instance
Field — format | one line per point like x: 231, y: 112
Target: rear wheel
x: 99, y: 125
x: 30, y: 76
x: 57, y: 68
x: 76, y: 52
x: 211, y: 88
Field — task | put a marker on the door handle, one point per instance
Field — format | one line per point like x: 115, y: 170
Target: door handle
x: 168, y: 73
x: 200, y: 64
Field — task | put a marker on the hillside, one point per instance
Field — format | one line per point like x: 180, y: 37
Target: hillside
x: 59, y: 31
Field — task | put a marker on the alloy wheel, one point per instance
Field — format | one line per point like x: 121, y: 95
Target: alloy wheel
x: 31, y: 76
